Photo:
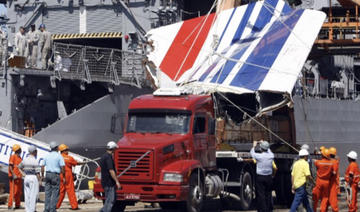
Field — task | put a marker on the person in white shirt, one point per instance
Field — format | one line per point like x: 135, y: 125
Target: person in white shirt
x: 45, y: 46
x: 31, y: 170
x: 33, y: 37
x: 20, y: 42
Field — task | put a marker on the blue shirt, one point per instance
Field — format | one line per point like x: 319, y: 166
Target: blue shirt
x: 53, y: 162
x: 263, y: 161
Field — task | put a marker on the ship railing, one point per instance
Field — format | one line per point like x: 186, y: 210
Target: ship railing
x: 89, y: 64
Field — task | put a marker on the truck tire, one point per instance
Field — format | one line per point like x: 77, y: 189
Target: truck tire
x: 246, y: 191
x: 195, y: 199
x: 119, y: 206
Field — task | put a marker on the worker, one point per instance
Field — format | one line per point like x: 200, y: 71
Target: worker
x: 334, y: 181
x: 309, y: 185
x: 299, y: 176
x: 15, y: 178
x: 54, y: 165
x: 109, y: 180
x: 325, y: 170
x: 20, y: 42
x: 45, y: 44
x: 30, y: 168
x: 264, y: 171
x: 33, y: 37
x: 69, y: 186
x: 352, y: 180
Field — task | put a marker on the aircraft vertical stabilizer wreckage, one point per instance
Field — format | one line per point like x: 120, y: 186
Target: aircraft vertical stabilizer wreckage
x: 256, y: 48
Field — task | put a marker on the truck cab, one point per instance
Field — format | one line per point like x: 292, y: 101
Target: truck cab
x: 167, y: 151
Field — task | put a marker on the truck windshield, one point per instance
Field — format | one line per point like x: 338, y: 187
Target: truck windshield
x: 158, y: 122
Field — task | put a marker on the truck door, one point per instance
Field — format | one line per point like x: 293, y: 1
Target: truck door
x: 200, y: 139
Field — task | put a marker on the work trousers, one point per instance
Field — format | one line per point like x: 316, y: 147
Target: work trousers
x: 45, y: 55
x: 110, y: 198
x: 321, y: 192
x: 354, y: 191
x: 33, y: 54
x: 31, y: 188
x: 15, y: 190
x: 263, y: 192
x: 301, y: 196
x: 333, y: 201
x: 52, y: 187
x: 70, y: 190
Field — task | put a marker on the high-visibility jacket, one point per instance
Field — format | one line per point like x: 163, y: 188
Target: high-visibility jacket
x: 69, y: 187
x: 353, y: 170
x: 15, y: 186
x: 334, y: 186
x: 325, y: 169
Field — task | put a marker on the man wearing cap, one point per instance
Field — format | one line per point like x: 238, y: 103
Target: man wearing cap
x: 45, y: 46
x: 299, y: 176
x: 69, y: 187
x: 264, y: 171
x: 31, y: 170
x: 352, y: 179
x: 109, y: 180
x: 32, y: 37
x: 15, y: 177
x: 20, y: 42
x: 54, y: 165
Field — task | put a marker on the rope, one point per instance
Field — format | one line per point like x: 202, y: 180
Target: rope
x: 256, y: 121
x: 84, y: 173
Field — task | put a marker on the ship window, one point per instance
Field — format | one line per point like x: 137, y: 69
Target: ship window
x: 199, y: 125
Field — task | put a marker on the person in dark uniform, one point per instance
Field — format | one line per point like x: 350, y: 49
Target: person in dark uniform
x: 109, y: 180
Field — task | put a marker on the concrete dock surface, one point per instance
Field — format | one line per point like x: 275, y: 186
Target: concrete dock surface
x: 94, y: 205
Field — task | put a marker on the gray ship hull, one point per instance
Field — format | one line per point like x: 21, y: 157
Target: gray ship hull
x: 328, y: 122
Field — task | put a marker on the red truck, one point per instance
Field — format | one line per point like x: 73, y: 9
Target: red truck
x: 180, y: 150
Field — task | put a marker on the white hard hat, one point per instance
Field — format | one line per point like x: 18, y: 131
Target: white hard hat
x: 32, y: 149
x: 305, y: 146
x: 303, y: 152
x: 111, y: 145
x: 53, y: 144
x: 352, y: 155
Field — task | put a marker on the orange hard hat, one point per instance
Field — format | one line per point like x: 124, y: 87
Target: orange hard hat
x: 326, y: 153
x: 16, y: 147
x: 332, y: 151
x: 62, y: 147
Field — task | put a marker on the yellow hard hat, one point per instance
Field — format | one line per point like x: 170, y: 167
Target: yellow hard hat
x: 62, y: 147
x: 332, y: 151
x: 326, y: 153
x: 16, y: 147
x: 322, y: 148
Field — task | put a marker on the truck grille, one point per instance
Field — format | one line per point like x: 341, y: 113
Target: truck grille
x: 143, y: 169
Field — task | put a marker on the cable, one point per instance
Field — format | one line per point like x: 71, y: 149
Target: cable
x: 263, y: 126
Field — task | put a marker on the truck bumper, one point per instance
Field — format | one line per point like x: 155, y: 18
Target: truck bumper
x: 146, y: 192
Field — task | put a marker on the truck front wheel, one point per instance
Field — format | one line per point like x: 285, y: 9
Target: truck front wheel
x: 246, y: 191
x: 195, y: 199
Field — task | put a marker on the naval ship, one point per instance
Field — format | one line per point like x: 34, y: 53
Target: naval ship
x: 97, y: 67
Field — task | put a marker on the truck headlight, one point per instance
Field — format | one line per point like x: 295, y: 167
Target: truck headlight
x: 173, y: 177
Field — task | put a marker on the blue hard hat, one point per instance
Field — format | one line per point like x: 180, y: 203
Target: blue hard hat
x: 42, y: 26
